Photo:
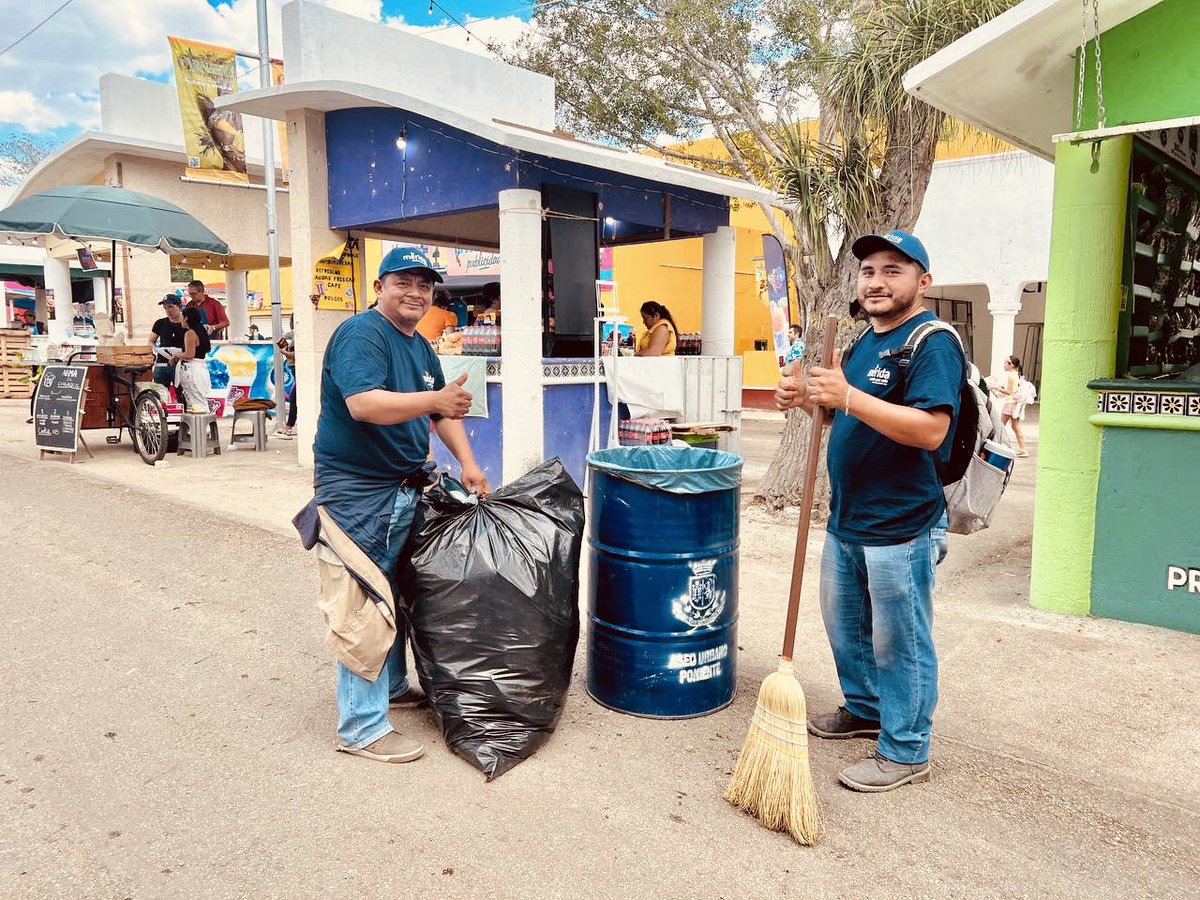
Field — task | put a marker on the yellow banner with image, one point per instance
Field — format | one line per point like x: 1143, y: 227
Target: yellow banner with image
x: 334, y: 279
x: 212, y: 138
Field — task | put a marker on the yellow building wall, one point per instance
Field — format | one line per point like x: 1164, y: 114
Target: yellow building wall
x: 669, y: 271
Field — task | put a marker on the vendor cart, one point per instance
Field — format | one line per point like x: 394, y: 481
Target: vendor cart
x: 122, y: 395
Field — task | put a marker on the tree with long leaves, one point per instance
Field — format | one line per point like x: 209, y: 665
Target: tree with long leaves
x: 657, y: 74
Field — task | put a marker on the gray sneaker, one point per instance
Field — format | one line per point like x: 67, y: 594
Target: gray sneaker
x: 878, y: 773
x: 391, y: 748
x: 842, y: 725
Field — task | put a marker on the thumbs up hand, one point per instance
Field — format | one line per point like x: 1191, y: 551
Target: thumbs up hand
x: 790, y: 392
x: 828, y: 387
x: 452, y: 401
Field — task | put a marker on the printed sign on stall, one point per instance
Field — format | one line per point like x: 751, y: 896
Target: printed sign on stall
x: 212, y: 138
x: 239, y: 371
x: 333, y: 279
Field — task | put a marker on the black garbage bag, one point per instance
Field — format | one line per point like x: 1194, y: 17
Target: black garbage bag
x: 492, y: 595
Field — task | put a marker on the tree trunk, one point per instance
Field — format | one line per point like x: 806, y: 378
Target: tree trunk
x: 783, y: 485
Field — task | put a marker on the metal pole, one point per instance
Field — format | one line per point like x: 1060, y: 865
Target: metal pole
x: 264, y: 55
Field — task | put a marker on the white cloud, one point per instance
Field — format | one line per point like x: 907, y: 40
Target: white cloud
x: 52, y: 78
x: 505, y: 30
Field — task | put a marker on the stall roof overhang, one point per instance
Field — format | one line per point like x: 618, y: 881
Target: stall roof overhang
x: 1015, y: 76
x: 82, y: 161
x: 504, y: 155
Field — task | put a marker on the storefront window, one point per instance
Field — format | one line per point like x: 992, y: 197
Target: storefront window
x: 1160, y: 308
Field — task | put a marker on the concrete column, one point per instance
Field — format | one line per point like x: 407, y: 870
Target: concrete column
x: 310, y: 240
x: 717, y: 292
x: 521, y: 346
x: 57, y: 273
x: 149, y: 280
x: 1082, y: 302
x: 100, y: 295
x: 235, y: 301
x: 1004, y: 306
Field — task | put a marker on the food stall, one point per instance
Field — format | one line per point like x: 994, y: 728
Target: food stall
x: 1119, y: 454
x: 473, y: 167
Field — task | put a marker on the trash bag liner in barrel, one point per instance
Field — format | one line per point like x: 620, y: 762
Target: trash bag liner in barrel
x: 491, y: 589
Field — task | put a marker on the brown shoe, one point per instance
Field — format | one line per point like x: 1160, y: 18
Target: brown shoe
x: 413, y: 698
x: 391, y: 748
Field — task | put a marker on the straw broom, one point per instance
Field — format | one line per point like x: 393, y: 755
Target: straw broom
x: 773, y: 781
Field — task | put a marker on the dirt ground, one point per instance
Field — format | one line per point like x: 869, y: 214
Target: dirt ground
x: 168, y: 723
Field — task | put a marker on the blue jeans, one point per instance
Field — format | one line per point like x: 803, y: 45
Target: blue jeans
x: 877, y: 603
x: 363, y: 705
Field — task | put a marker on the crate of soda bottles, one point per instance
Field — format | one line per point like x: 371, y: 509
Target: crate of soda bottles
x: 688, y: 344
x: 643, y: 432
x: 481, y: 340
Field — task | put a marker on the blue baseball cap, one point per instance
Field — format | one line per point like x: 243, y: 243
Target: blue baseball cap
x: 408, y: 259
x: 900, y: 241
x: 171, y: 300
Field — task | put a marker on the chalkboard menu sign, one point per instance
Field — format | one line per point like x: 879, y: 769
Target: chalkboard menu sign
x: 57, y: 406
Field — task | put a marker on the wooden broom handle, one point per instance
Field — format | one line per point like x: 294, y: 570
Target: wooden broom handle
x: 806, y: 503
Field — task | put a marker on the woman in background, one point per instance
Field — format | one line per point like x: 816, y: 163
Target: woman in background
x: 1011, y: 395
x: 191, y: 366
x: 661, y: 334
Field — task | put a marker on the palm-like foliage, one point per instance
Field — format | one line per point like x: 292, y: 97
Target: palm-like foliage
x: 630, y: 71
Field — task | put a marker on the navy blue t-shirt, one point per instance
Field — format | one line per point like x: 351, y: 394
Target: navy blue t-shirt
x: 883, y: 492
x: 367, y: 352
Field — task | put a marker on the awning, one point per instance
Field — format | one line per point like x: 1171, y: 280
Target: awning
x: 32, y: 276
x: 1015, y: 76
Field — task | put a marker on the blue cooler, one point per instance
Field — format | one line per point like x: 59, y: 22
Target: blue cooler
x: 999, y: 456
x: 663, y: 576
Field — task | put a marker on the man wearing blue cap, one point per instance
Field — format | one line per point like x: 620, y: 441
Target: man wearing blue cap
x: 381, y: 386
x: 887, y: 511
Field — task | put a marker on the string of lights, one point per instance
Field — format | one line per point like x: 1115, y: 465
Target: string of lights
x: 451, y: 17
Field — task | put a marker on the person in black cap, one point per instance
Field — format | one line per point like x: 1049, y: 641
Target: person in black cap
x: 381, y: 386
x: 169, y: 331
x: 887, y: 511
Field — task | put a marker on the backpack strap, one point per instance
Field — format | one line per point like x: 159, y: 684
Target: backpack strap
x: 904, y: 353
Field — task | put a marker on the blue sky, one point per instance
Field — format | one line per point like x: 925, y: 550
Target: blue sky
x: 49, y: 82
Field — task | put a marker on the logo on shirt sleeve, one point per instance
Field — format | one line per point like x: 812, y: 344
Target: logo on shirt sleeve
x: 430, y: 382
x: 880, y: 375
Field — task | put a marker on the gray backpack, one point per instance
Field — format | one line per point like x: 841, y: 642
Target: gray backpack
x: 973, y: 486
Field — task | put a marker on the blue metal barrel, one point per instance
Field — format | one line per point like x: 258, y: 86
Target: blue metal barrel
x: 663, y: 561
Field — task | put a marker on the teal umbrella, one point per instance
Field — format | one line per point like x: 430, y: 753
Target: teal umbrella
x: 91, y: 212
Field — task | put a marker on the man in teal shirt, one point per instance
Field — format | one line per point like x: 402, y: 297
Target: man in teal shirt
x: 381, y: 388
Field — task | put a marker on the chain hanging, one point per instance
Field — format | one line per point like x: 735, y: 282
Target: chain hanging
x: 1100, y: 117
x: 1081, y: 76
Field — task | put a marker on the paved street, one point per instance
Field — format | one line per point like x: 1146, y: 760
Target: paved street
x: 167, y: 729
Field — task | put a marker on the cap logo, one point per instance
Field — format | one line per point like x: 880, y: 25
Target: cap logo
x: 893, y: 237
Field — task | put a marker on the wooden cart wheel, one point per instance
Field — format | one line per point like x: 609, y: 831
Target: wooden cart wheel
x: 149, y: 427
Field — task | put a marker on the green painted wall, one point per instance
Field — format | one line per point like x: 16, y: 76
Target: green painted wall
x: 1151, y: 66
x: 1147, y: 507
x: 1082, y: 301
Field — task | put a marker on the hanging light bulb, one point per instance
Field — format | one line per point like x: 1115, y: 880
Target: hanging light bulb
x: 431, y: 7
x: 402, y: 141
